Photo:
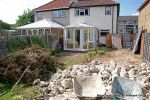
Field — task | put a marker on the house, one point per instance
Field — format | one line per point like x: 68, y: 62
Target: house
x: 144, y: 24
x: 144, y: 15
x: 87, y: 21
x: 127, y: 25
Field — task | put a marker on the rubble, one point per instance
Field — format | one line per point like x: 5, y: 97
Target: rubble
x: 96, y: 79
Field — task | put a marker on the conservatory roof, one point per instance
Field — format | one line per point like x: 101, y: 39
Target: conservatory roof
x: 45, y: 23
x: 79, y: 25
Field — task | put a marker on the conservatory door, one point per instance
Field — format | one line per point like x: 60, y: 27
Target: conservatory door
x: 77, y: 39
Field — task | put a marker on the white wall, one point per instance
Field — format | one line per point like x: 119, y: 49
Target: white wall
x: 96, y: 18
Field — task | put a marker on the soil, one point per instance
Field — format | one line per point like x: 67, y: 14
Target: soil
x: 122, y: 57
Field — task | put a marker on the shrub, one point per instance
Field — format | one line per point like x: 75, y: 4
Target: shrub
x: 55, y: 51
x: 20, y: 43
x: 39, y: 41
x: 15, y: 44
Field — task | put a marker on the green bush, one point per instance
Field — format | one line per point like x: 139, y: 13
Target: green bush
x: 39, y: 41
x: 20, y: 43
x: 55, y: 51
x: 15, y: 44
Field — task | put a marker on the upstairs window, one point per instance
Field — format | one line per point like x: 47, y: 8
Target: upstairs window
x: 108, y: 10
x: 82, y: 12
x: 58, y: 13
x: 39, y: 15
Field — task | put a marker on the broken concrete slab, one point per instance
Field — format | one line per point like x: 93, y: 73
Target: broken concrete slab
x: 89, y: 86
x: 127, y: 89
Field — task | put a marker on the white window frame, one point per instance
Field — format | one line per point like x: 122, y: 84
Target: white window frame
x: 106, y: 9
x: 78, y: 11
x: 39, y: 15
x: 106, y: 31
x: 58, y: 13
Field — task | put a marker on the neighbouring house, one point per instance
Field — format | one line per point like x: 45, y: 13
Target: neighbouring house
x: 127, y: 25
x: 86, y: 21
x: 144, y: 15
x: 144, y: 23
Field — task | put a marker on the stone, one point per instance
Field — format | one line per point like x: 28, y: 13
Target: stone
x: 94, y: 69
x: 55, y: 90
x: 115, y: 73
x: 143, y: 65
x: 122, y: 87
x: 96, y: 62
x: 66, y: 83
x: 61, y: 89
x: 94, y: 74
x: 89, y: 86
x: 112, y: 64
x: 123, y: 72
x: 43, y: 84
x: 66, y: 74
x: 36, y: 82
x: 131, y: 74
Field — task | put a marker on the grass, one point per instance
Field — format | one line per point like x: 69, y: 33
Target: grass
x: 95, y: 53
x: 69, y: 62
x: 21, y: 92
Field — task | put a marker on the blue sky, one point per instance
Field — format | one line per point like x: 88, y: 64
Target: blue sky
x: 17, y: 7
x: 129, y: 7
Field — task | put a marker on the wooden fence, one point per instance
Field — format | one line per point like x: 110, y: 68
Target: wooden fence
x: 146, y: 46
x: 117, y: 41
x: 51, y: 39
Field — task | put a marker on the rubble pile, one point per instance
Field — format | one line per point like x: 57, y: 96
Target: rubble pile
x: 61, y: 85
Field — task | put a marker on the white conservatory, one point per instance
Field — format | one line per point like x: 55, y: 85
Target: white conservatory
x: 80, y: 37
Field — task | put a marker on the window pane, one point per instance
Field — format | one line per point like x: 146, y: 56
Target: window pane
x: 59, y: 13
x: 104, y: 32
x: 24, y: 32
x: 39, y: 15
x: 77, y: 11
x: 86, y: 12
x: 108, y: 10
x: 81, y: 13
x: 91, y: 36
x: 70, y: 38
x: 91, y: 45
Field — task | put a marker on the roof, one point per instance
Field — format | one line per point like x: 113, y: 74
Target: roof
x: 88, y: 3
x: 55, y: 4
x: 79, y: 25
x: 45, y: 23
x: 61, y: 4
x: 143, y: 4
x: 128, y: 18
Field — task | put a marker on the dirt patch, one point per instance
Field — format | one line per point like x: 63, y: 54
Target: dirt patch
x: 122, y: 57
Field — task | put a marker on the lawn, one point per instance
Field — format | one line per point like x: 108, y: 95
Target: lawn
x: 21, y: 92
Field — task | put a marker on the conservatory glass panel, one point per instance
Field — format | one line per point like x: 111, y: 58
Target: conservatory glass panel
x: 69, y: 38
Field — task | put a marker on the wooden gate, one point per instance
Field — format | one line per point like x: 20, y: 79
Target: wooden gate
x: 117, y: 41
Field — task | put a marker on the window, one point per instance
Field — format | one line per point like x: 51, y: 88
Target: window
x: 108, y: 10
x: 24, y: 33
x: 104, y: 32
x: 82, y: 12
x: 130, y: 23
x: 59, y: 13
x: 39, y: 15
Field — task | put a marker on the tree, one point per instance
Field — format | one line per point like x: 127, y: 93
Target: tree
x: 26, y: 18
x: 4, y: 25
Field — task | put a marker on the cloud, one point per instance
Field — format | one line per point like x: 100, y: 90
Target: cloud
x: 11, y: 9
x: 135, y: 14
